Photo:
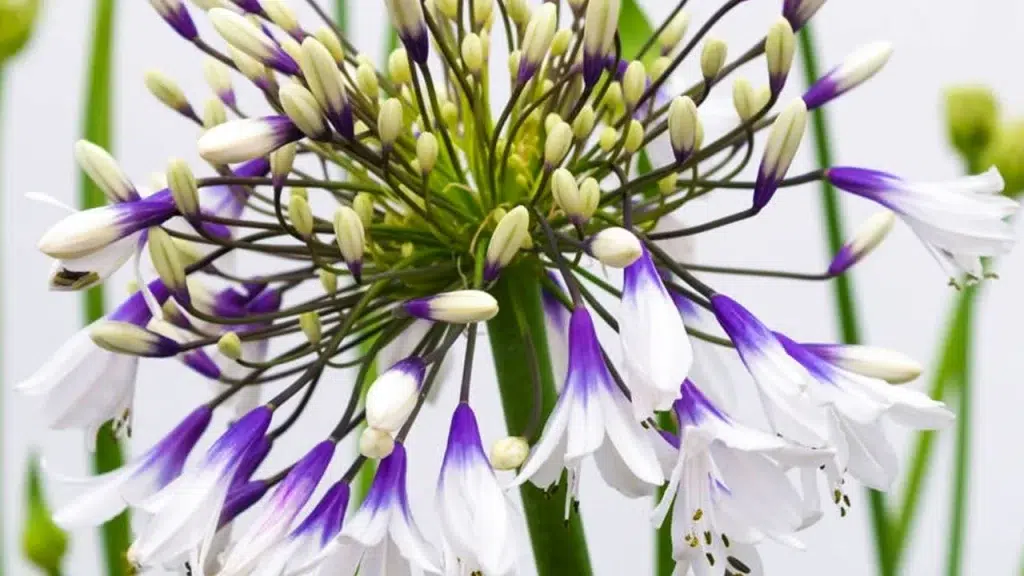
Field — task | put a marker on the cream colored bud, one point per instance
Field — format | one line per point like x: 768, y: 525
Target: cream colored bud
x: 323, y: 77
x: 127, y: 338
x: 328, y: 281
x: 537, y: 39
x: 363, y: 205
x: 599, y: 27
x: 634, y: 82
x: 303, y: 110
x: 509, y: 453
x: 578, y: 205
x: 167, y: 92
x: 865, y: 239
x: 242, y: 33
x: 550, y: 121
x: 166, y: 259
x: 390, y: 122
x: 608, y: 139
x: 514, y: 59
x: 583, y: 125
x: 557, y: 145
x: 301, y: 215
x: 376, y: 444
x: 683, y: 126
x: 292, y: 48
x: 184, y: 189
x: 426, y: 152
x: 350, y: 235
x: 634, y: 137
x: 615, y: 247
x: 472, y: 53
x: 456, y: 307
x: 281, y: 14
x: 667, y: 185
x: 713, y: 57
x: 784, y: 140
x: 449, y: 8
x: 230, y: 345
x: 251, y: 68
x: 779, y: 47
x: 659, y: 67
x: 310, y: 324
x: 398, y: 67
x: 518, y: 11
x: 366, y: 80
x: 673, y: 33
x: 214, y: 113
x: 891, y: 366
x: 281, y: 162
x: 330, y: 40
x: 301, y: 192
x: 482, y: 10
x: 218, y: 78
x: 613, y: 97
x: 105, y: 172
x: 560, y: 42
x: 744, y: 99
x: 590, y: 194
x: 508, y: 237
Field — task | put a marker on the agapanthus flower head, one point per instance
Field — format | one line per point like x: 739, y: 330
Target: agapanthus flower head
x: 375, y: 219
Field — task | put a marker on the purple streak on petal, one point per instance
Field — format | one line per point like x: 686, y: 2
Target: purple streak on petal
x: 822, y: 92
x: 765, y: 187
x: 227, y: 96
x: 181, y: 21
x: 356, y: 268
x: 252, y: 6
x: 417, y: 44
x: 254, y: 456
x: 587, y: 369
x: 419, y: 308
x: 240, y: 436
x: 284, y: 129
x: 491, y: 271
x: 742, y: 327
x: 141, y: 214
x: 230, y: 303
x: 292, y: 493
x: 670, y: 438
x: 527, y: 69
x: 388, y: 487
x: 413, y: 366
x: 343, y: 121
x: 171, y: 452
x: 871, y: 184
x: 641, y: 276
x: 134, y: 310
x: 328, y: 515
x: 693, y: 406
x: 553, y: 307
x: 284, y: 63
x: 254, y: 289
x: 164, y: 347
x: 687, y: 309
x: 818, y: 367
x: 593, y: 66
x: 253, y: 168
x: 464, y: 445
x: 265, y: 302
x: 241, y: 499
x: 790, y: 12
x: 844, y: 260
x: 199, y: 361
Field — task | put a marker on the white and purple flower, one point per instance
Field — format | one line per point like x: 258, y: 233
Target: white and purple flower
x: 311, y: 536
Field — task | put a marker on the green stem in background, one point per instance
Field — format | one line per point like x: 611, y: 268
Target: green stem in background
x: 961, y: 462
x: 2, y: 75
x: 341, y: 14
x: 846, y: 308
x: 664, y: 564
x: 98, y: 129
x: 559, y: 548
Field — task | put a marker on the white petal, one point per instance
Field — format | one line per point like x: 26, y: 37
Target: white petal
x: 412, y: 545
x: 630, y: 440
x: 551, y: 447
x: 100, y: 501
x: 871, y: 457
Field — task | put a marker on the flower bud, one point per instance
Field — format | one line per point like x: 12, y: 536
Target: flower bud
x: 599, y: 27
x: 43, y: 543
x: 448, y: 8
x: 390, y: 122
x: 583, y: 125
x: 634, y: 137
x: 667, y: 185
x: 363, y: 205
x: 327, y: 85
x: 375, y: 444
x: 744, y: 100
x: 509, y: 453
x: 426, y: 152
x: 798, y: 12
x: 515, y: 57
x: 241, y: 33
x: 281, y: 162
x: 310, y: 324
x: 865, y: 239
x: 251, y: 68
x: 17, y: 22
x: 482, y: 10
x: 300, y: 215
x: 634, y: 82
x: 169, y: 93
x: 858, y: 68
x: 174, y: 13
x: 559, y: 140
x: 972, y: 118
x: 613, y: 97
x: 673, y: 33
x: 779, y: 47
x: 398, y: 67
x: 1007, y: 154
x: 230, y: 345
x: 783, y: 142
x: 184, y: 190
x: 168, y: 262
x: 126, y: 338
x: 473, y: 53
x: 609, y: 137
x: 893, y: 367
x: 330, y: 40
x: 683, y: 126
x: 348, y: 229
x: 660, y: 67
x: 518, y: 11
x: 105, y: 172
x: 283, y: 16
x: 713, y: 58
x: 392, y: 396
x: 302, y: 108
x: 366, y: 80
x: 407, y: 18
x: 615, y: 247
x: 214, y: 113
x: 328, y: 281
x: 560, y: 42
x: 508, y: 238
x: 537, y: 40
x: 456, y: 307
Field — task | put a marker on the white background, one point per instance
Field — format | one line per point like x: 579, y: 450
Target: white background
x: 894, y: 124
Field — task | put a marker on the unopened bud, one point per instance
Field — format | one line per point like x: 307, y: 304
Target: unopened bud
x: 218, y: 78
x: 301, y: 215
x: 744, y: 100
x: 230, y: 345
x: 798, y: 12
x: 972, y: 117
x: 472, y: 53
x: 509, y: 453
x: 508, y: 237
x: 169, y: 93
x: 456, y: 307
x: 673, y: 33
x: 537, y: 40
x: 281, y: 162
x: 426, y: 152
x: 518, y: 11
x: 283, y: 16
x: 327, y: 84
x: 865, y: 239
x: 608, y: 139
x: 783, y: 142
x: 660, y: 67
x: 514, y: 59
x: 363, y: 205
x: 599, y: 27
x: 243, y: 34
x: 214, y: 113
x: 634, y: 82
x: 858, y: 68
x: 310, y: 324
x: 105, y: 172
x: 570, y: 197
x: 583, y: 125
x: 615, y: 247
x: 560, y: 42
x: 482, y: 10
x: 184, y: 189
x: 634, y: 137
x: 779, y: 47
x: 448, y: 8
x: 376, y: 444
x: 329, y: 281
x: 398, y: 67
x: 330, y: 40
x: 366, y: 80
x: 303, y: 110
x: 390, y: 122
x: 126, y: 338
x: 1006, y: 153
x: 683, y: 127
x: 893, y: 367
x: 392, y: 396
x: 349, y: 233
x: 559, y: 140
x: 168, y: 262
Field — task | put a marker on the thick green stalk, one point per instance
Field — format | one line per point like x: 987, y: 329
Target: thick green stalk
x: 559, y: 548
x: 97, y: 128
x: 664, y: 564
x: 950, y: 377
x: 846, y: 308
x: 341, y: 14
x: 961, y: 462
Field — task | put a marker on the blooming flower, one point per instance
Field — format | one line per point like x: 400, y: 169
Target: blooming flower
x: 592, y: 418
x: 310, y: 537
x: 476, y: 516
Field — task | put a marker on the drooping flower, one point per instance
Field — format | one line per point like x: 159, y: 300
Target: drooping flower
x: 310, y: 537
x: 476, y: 517
x: 594, y: 418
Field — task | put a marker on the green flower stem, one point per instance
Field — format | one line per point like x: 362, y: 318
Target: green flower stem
x: 559, y: 548
x: 962, y: 462
x: 664, y: 564
x: 341, y: 14
x: 846, y: 308
x: 97, y: 129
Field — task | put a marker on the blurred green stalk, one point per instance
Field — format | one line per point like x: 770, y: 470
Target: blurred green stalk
x: 97, y: 129
x: 2, y: 541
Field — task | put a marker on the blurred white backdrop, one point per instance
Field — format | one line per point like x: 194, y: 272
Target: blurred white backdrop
x: 894, y: 123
